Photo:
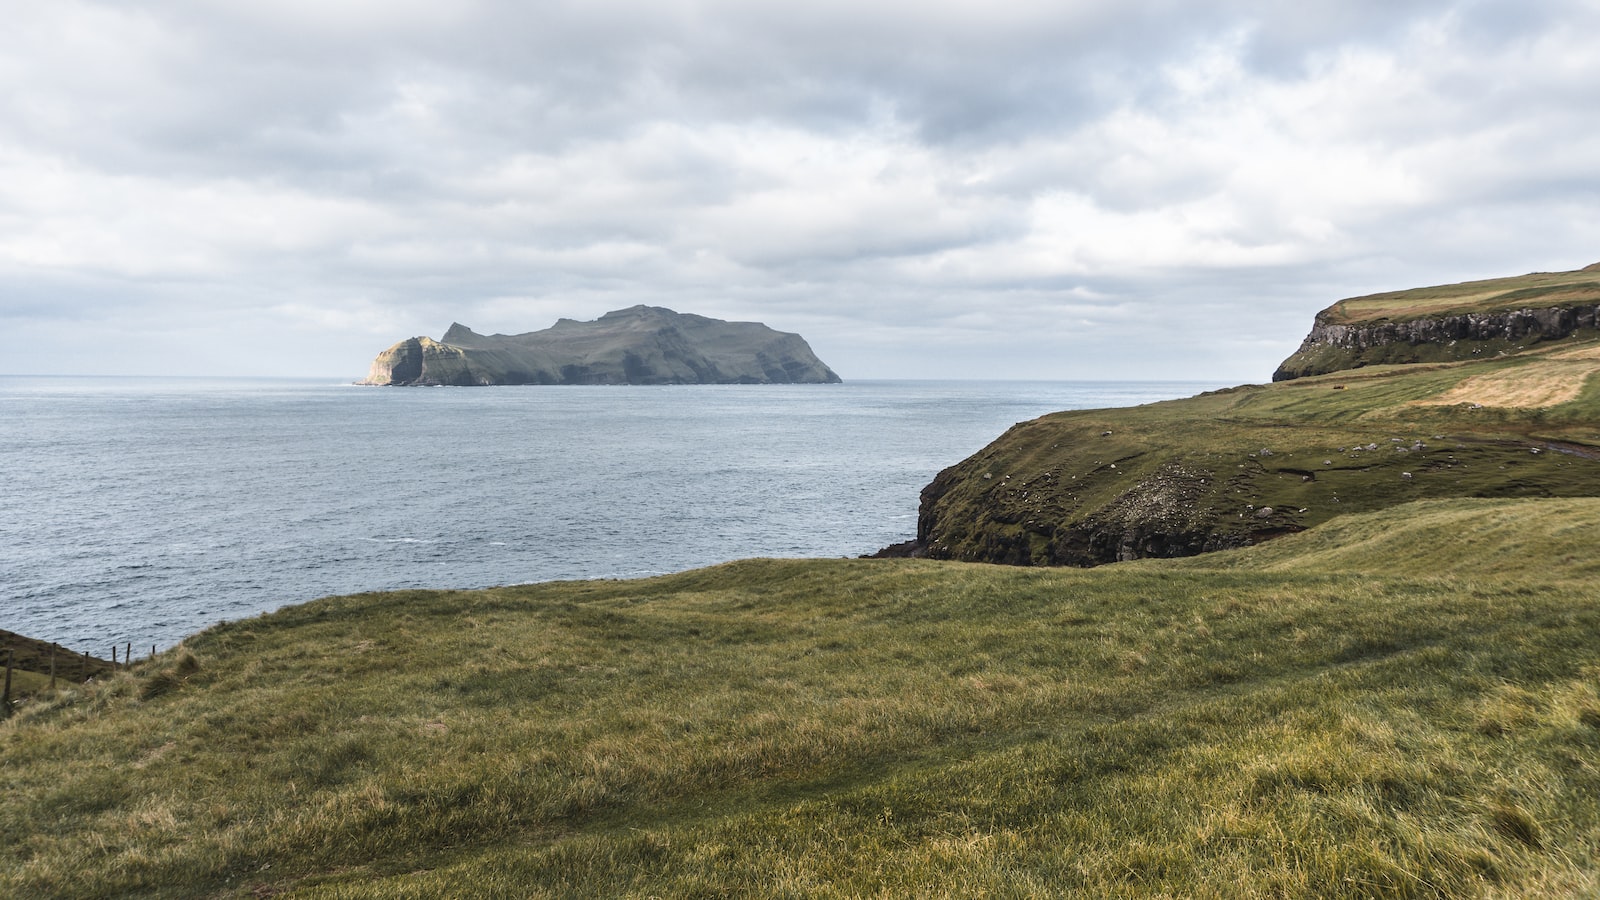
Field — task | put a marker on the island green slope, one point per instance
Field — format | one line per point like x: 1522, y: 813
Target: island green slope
x: 1396, y: 704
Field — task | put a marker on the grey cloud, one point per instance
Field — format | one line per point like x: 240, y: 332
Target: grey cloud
x: 973, y: 176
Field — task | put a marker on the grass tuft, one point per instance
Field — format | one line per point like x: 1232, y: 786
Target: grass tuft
x: 167, y: 679
x: 158, y: 684
x: 1514, y: 822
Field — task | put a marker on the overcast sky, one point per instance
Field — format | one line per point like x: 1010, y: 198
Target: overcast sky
x: 988, y: 189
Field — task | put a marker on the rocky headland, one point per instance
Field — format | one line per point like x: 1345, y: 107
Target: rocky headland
x: 1450, y: 322
x: 639, y: 345
x: 1478, y: 394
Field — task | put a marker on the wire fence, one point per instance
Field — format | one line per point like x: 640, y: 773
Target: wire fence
x: 33, y: 666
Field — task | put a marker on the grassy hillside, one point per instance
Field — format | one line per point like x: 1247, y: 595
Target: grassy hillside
x: 1538, y: 289
x: 1297, y: 719
x: 1238, y: 466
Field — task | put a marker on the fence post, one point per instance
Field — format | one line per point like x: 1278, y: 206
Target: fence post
x: 5, y: 701
x: 127, y: 656
x: 113, y: 656
x: 84, y: 675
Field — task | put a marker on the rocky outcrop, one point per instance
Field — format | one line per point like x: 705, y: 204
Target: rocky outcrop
x: 1065, y: 491
x: 421, y: 360
x: 1333, y: 347
x: 1163, y: 514
x: 640, y: 345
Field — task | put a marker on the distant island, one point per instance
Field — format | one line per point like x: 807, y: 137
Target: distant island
x: 638, y: 345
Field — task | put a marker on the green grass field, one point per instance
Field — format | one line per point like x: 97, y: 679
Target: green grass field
x: 1400, y: 704
x: 1537, y: 289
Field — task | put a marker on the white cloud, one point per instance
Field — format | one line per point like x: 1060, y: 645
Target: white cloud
x: 928, y: 188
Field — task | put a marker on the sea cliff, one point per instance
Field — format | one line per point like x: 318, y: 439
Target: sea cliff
x: 1476, y: 319
x: 1494, y: 402
x: 1331, y: 347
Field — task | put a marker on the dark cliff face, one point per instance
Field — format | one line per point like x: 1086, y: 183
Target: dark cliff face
x: 640, y: 345
x: 1100, y: 486
x: 1332, y: 347
x: 1040, y: 521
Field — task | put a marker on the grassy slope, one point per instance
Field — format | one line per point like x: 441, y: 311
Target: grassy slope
x: 1535, y: 290
x: 35, y: 656
x: 1060, y: 489
x: 1289, y: 720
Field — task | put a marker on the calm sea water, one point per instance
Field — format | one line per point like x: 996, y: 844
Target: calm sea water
x: 142, y: 510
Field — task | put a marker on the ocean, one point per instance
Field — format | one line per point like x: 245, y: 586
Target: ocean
x: 142, y: 510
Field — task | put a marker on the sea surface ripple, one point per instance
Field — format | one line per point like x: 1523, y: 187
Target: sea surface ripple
x: 141, y: 510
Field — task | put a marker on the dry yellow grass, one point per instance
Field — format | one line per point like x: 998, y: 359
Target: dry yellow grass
x: 1534, y: 289
x: 1587, y: 351
x: 1406, y: 305
x: 1558, y: 378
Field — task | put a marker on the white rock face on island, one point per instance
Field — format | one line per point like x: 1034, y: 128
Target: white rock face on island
x: 639, y: 345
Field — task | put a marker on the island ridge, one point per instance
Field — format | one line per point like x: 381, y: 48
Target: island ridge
x: 638, y: 345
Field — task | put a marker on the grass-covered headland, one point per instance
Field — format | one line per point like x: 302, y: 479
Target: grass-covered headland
x: 1250, y: 463
x: 1386, y: 705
